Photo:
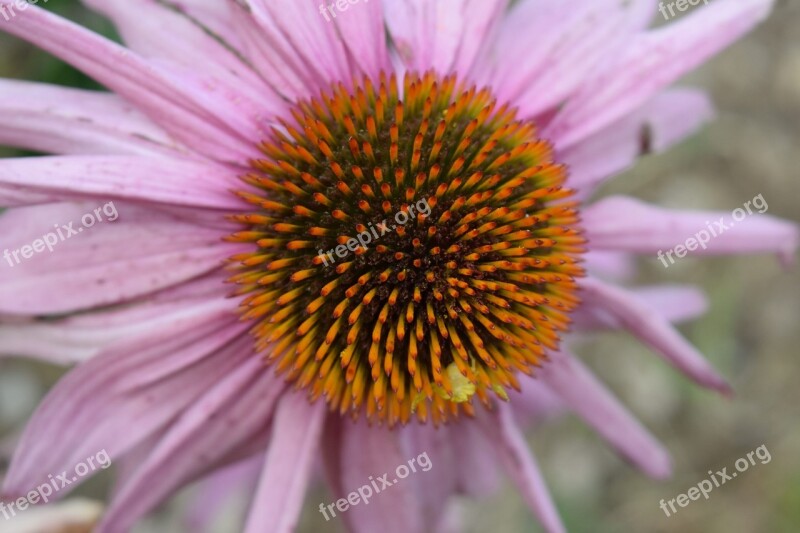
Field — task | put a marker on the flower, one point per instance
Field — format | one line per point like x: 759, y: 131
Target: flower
x: 248, y: 142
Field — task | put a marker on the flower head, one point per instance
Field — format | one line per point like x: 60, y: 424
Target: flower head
x: 471, y: 275
x: 396, y: 216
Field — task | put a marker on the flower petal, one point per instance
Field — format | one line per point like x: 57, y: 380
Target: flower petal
x: 675, y: 303
x: 362, y: 28
x: 194, y: 114
x: 587, y: 396
x: 657, y: 126
x: 555, y: 46
x: 295, y: 437
x: 444, y: 36
x: 160, y: 31
x: 355, y: 451
x: 520, y: 465
x: 236, y: 409
x: 652, y: 62
x: 175, y: 181
x: 139, y: 253
x: 60, y: 120
x: 293, y: 40
x: 434, y: 487
x: 622, y: 223
x: 77, y: 338
x: 646, y: 323
x: 477, y: 467
x: 118, y: 399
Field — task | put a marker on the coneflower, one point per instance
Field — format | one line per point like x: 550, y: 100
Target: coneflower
x: 397, y: 216
x: 456, y: 299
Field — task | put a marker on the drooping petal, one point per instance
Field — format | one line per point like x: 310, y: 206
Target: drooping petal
x: 162, y: 32
x: 61, y: 120
x: 197, y: 115
x: 535, y: 403
x: 622, y: 223
x: 236, y: 409
x: 675, y: 303
x: 295, y: 437
x: 520, y: 465
x: 140, y: 252
x: 436, y: 469
x: 668, y: 118
x: 477, y: 468
x: 120, y: 398
x: 647, y: 324
x: 588, y: 397
x: 390, y: 509
x: 182, y: 182
x: 653, y: 61
x: 555, y: 46
x: 77, y: 338
x: 606, y: 264
x: 228, y: 484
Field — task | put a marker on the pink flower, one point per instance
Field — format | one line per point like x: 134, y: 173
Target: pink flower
x: 261, y: 135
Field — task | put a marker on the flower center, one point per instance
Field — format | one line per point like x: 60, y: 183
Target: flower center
x: 410, y: 251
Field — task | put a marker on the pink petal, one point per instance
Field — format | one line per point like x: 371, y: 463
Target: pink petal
x: 622, y: 223
x: 295, y: 439
x: 436, y: 486
x: 652, y: 62
x: 362, y: 29
x: 356, y: 456
x: 161, y: 33
x: 78, y: 338
x: 48, y: 118
x: 587, y: 396
x: 233, y: 483
x: 535, y: 403
x: 554, y: 46
x: 646, y: 323
x: 139, y: 253
x: 179, y: 181
x: 192, y: 113
x: 236, y: 409
x: 616, y: 266
x: 294, y: 39
x: 477, y: 468
x: 444, y: 36
x: 520, y: 465
x: 118, y: 399
x: 675, y: 303
x: 658, y: 125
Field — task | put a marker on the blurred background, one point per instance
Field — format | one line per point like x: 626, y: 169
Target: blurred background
x: 750, y: 331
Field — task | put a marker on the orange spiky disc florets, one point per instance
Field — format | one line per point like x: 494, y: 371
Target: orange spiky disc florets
x: 410, y: 252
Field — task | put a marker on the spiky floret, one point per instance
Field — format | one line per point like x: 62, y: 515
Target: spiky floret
x: 470, y: 273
